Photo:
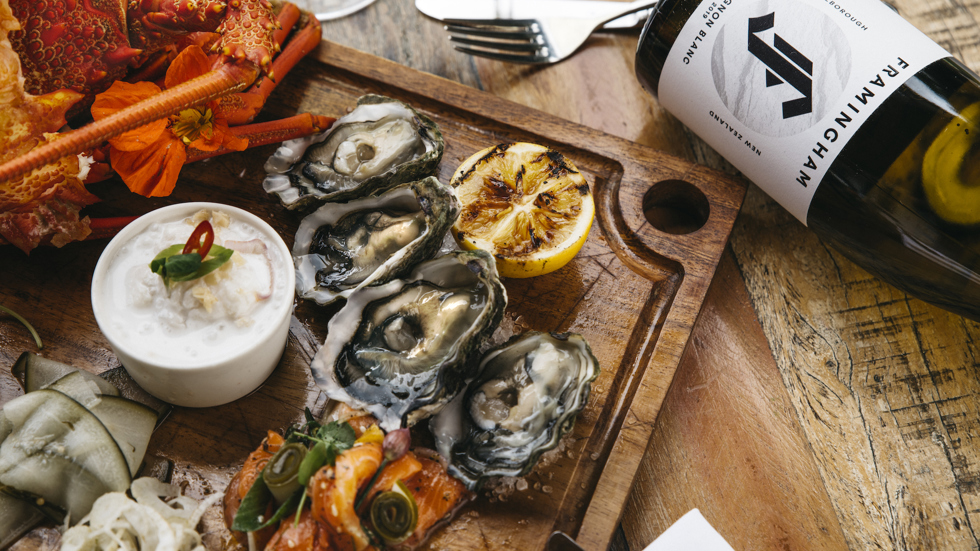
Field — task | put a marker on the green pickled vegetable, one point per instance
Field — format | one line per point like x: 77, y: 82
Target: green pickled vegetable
x: 282, y: 473
x: 316, y: 458
x: 394, y: 514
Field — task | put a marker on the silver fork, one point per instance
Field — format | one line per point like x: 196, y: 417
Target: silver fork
x: 545, y: 39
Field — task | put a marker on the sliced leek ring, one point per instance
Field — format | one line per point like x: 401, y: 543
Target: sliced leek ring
x: 394, y: 514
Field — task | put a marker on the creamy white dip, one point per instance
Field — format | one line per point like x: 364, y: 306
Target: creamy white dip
x: 200, y: 321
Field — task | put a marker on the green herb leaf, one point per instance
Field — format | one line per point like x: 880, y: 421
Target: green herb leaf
x: 283, y: 511
x: 182, y: 267
x: 173, y: 266
x: 340, y: 436
x: 159, y: 261
x: 255, y: 504
x: 253, y: 507
x: 217, y: 257
x: 331, y: 438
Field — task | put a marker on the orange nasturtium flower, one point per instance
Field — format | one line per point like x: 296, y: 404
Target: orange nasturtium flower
x: 149, y: 158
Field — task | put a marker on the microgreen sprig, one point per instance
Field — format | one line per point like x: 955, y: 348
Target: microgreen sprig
x: 328, y: 441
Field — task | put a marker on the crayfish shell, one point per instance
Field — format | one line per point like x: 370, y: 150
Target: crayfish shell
x: 380, y: 144
x: 401, y: 350
x: 342, y: 247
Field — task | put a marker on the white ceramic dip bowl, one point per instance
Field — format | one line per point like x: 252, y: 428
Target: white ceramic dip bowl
x: 204, y: 342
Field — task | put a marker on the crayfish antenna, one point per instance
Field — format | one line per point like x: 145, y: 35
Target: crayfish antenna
x: 227, y: 78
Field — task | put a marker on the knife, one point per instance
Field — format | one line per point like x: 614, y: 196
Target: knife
x: 528, y: 9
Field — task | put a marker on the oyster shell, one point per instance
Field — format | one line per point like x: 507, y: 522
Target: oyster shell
x: 342, y: 247
x: 527, y: 394
x: 400, y: 350
x: 380, y: 144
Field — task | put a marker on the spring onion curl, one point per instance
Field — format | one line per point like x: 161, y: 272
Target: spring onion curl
x: 37, y: 338
x: 118, y: 522
x: 281, y: 474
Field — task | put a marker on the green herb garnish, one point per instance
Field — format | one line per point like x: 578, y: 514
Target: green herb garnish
x: 328, y: 441
x: 192, y: 260
x: 335, y: 437
x: 251, y: 513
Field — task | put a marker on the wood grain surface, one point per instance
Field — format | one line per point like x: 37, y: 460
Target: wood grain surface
x: 847, y: 418
x: 881, y: 387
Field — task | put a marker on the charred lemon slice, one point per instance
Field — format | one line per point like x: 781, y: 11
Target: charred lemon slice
x: 526, y: 205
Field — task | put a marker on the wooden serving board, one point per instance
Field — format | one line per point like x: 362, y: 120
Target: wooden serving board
x: 633, y: 291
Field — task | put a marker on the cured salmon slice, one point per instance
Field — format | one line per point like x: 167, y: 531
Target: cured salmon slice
x: 402, y: 469
x: 305, y: 535
x: 243, y: 481
x: 437, y: 495
x: 333, y: 491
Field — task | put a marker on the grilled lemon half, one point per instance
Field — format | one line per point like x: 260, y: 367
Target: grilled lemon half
x: 525, y: 204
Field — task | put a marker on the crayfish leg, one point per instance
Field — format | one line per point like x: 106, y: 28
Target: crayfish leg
x: 242, y: 107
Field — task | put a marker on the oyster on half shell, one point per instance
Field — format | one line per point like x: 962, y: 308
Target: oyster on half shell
x: 380, y: 144
x: 400, y: 350
x: 525, y: 398
x: 342, y: 247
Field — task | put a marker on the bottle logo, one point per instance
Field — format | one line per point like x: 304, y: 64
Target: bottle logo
x: 780, y: 67
x: 784, y: 64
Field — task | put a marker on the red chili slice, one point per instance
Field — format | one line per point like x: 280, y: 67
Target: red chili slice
x: 194, y: 241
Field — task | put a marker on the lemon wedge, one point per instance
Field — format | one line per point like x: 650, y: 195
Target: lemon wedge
x: 525, y: 204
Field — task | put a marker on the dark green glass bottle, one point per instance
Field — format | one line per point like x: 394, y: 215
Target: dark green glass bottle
x: 902, y: 197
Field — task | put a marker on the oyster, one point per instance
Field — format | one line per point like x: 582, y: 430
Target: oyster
x: 380, y: 144
x: 342, y: 247
x: 400, y: 350
x: 527, y: 394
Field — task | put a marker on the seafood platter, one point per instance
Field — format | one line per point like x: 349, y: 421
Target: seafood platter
x: 422, y: 400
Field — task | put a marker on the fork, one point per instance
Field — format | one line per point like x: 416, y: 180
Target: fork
x: 546, y: 39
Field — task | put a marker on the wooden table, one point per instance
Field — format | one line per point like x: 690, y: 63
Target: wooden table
x: 816, y: 407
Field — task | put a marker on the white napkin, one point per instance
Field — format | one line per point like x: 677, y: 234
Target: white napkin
x: 690, y: 533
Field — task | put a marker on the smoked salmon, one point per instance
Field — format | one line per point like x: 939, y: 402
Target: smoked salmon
x: 331, y: 522
x: 437, y: 495
x: 305, y: 535
x: 242, y: 482
x: 333, y: 491
x: 399, y: 469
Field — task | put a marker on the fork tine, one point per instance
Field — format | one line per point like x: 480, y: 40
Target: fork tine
x: 511, y: 58
x: 491, y: 33
x: 482, y: 23
x: 507, y: 46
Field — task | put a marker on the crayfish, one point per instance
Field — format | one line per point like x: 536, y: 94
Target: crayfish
x: 58, y: 58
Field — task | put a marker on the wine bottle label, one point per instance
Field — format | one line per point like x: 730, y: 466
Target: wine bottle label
x: 778, y: 87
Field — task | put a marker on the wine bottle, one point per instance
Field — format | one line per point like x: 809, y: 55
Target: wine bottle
x: 848, y: 116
